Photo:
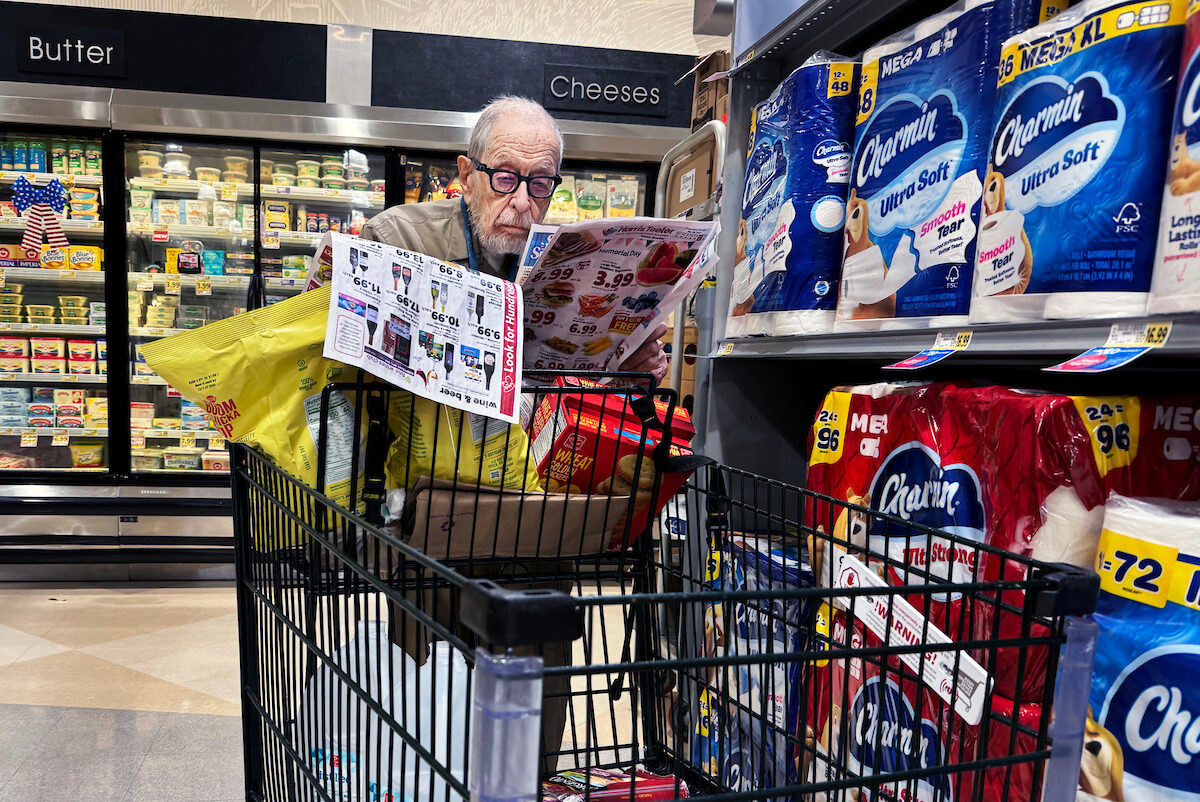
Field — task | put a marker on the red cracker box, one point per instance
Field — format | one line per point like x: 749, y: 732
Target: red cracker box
x: 589, y: 443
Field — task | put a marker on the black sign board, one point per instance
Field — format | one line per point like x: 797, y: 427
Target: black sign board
x: 604, y: 90
x: 71, y: 51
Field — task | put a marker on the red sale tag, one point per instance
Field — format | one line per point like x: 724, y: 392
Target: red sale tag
x: 161, y: 235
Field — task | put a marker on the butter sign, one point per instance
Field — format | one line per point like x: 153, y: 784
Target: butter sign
x: 72, y: 51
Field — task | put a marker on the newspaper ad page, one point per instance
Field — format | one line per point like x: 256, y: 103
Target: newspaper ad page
x: 436, y: 329
x: 594, y: 291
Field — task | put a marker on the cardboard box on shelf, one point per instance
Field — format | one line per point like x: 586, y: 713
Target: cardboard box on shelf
x: 709, y: 98
x: 688, y: 377
x: 690, y: 179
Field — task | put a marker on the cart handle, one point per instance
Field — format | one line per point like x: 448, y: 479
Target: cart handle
x: 510, y: 618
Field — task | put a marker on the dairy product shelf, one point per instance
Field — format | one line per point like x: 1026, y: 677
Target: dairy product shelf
x: 351, y: 198
x: 52, y: 328
x: 82, y: 228
x: 23, y: 274
x: 50, y: 431
x: 55, y: 378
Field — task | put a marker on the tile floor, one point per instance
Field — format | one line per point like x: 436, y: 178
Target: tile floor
x: 122, y: 692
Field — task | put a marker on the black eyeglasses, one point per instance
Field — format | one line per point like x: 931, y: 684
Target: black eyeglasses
x: 506, y: 181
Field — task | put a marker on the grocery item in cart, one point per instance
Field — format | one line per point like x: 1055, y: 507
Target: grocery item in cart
x: 1142, y: 737
x: 921, y: 138
x: 1075, y: 178
x: 1175, y: 286
x: 760, y: 756
x: 260, y: 375
x: 789, y: 242
x: 580, y: 785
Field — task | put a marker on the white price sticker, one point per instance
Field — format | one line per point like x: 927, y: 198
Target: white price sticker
x: 725, y: 349
x: 29, y: 439
x: 203, y: 285
x: 60, y: 439
x: 1149, y: 335
x: 952, y: 340
x: 173, y: 285
x: 145, y: 283
x: 967, y: 681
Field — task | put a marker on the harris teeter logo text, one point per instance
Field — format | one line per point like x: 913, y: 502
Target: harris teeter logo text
x: 1053, y: 138
x: 907, y: 160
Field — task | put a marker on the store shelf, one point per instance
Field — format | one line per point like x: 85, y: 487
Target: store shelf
x: 55, y: 378
x: 157, y: 434
x: 40, y: 179
x: 182, y: 471
x: 52, y: 328
x: 817, y: 23
x: 50, y: 431
x: 189, y: 280
x: 24, y: 274
x: 57, y: 470
x: 989, y: 341
x: 156, y: 380
x: 79, y: 228
x: 286, y: 284
x: 357, y: 199
x: 286, y: 238
x: 153, y: 331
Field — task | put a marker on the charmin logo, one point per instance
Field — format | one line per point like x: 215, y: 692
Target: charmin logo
x: 767, y: 165
x: 829, y: 148
x: 1153, y: 711
x: 1053, y: 138
x: 886, y: 737
x: 222, y: 414
x: 907, y: 160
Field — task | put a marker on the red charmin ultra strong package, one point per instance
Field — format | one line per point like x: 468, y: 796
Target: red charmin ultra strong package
x: 979, y: 463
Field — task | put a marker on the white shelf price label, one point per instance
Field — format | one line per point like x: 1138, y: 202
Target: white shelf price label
x: 203, y: 285
x: 229, y: 192
x: 145, y: 283
x: 187, y: 441
x: 69, y: 378
x: 173, y: 285
x: 137, y: 440
x: 60, y: 439
x: 1126, y: 342
x: 29, y: 439
x: 945, y: 344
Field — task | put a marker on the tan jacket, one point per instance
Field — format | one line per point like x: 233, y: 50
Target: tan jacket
x: 434, y: 228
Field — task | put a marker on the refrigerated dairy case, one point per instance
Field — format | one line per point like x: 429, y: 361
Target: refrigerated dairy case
x: 127, y: 216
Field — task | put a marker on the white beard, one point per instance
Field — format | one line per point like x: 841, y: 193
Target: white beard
x: 496, y: 245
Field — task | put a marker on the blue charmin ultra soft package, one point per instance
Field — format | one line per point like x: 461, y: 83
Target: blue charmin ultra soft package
x: 759, y: 755
x: 1142, y: 735
x: 789, y: 236
x: 1077, y: 159
x: 924, y: 118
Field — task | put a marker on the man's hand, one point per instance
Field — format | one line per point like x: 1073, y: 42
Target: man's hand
x: 649, y: 357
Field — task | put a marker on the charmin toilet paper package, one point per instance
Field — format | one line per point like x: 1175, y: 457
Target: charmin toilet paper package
x: 979, y: 463
x: 924, y: 117
x: 1176, y: 283
x: 1073, y: 186
x: 790, y: 234
x: 1142, y: 736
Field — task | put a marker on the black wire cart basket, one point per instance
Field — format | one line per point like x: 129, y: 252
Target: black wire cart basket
x: 591, y: 611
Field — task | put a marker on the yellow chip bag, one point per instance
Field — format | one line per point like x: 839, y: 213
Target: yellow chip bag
x: 446, y: 443
x: 259, y: 376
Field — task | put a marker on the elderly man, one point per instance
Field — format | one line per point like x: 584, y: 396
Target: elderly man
x: 508, y: 175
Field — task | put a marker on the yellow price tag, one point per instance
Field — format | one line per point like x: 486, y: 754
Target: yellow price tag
x: 67, y: 181
x: 60, y: 439
x: 173, y: 285
x: 31, y: 327
x: 270, y: 240
x: 155, y: 332
x: 1135, y: 569
x: 229, y: 192
x: 952, y: 340
x: 1, y: 276
x: 29, y: 439
x: 187, y: 441
x: 6, y: 326
x: 1113, y: 423
x: 725, y: 350
x: 137, y: 440
x: 829, y: 430
x: 1148, y: 335
x: 216, y: 443
x: 203, y: 285
x: 145, y: 283
x: 69, y: 378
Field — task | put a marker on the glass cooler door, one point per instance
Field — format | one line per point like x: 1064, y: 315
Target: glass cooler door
x: 307, y: 192
x: 53, y: 387
x: 427, y: 179
x: 191, y: 227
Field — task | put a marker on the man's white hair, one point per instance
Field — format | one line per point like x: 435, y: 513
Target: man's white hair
x: 481, y: 134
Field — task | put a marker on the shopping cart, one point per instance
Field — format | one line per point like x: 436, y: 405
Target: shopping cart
x: 465, y: 642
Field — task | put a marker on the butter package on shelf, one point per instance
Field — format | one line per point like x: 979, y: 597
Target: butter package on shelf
x: 166, y: 212
x: 70, y: 395
x: 68, y: 410
x: 97, y: 406
x: 14, y: 347
x: 48, y: 366
x: 95, y: 421
x: 68, y: 422
x: 165, y: 423
x: 85, y: 257
x: 11, y: 364
x: 54, y: 258
x: 81, y: 367
x: 196, y: 213
x: 277, y: 215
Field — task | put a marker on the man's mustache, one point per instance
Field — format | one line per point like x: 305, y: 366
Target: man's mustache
x: 511, y: 218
